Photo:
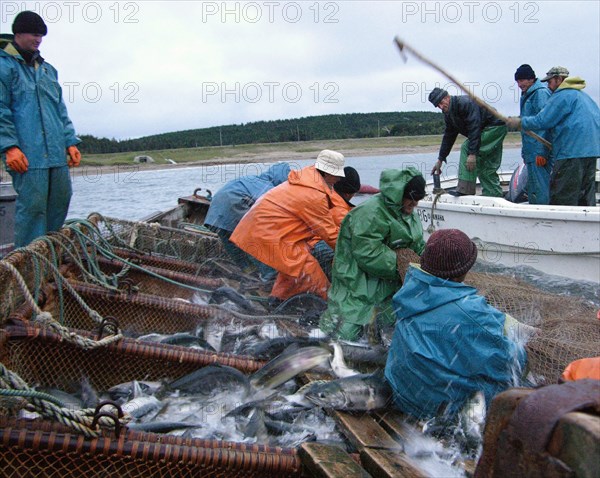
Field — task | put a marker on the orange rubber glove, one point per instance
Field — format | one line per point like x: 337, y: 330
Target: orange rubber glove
x: 74, y: 156
x: 16, y: 160
x: 540, y: 161
x: 582, y: 368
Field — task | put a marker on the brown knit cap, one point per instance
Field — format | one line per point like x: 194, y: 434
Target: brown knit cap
x: 449, y: 253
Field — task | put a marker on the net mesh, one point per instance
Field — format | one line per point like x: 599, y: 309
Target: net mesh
x: 42, y: 449
x: 37, y: 448
x: 566, y: 327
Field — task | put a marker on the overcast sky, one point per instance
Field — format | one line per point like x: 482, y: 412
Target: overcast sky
x: 131, y: 69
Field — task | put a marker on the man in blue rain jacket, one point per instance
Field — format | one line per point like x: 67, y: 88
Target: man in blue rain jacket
x: 36, y: 134
x: 448, y: 342
x: 573, y: 118
x: 535, y: 155
x: 232, y: 201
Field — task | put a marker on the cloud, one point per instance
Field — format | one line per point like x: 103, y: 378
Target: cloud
x: 131, y: 69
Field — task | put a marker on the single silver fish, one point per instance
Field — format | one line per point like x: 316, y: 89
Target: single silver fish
x: 287, y: 365
x: 472, y: 417
x: 358, y: 393
x: 338, y: 365
x: 210, y: 380
x: 141, y: 406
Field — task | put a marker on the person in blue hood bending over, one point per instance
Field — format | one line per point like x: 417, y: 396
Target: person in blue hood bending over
x: 230, y: 204
x: 448, y: 343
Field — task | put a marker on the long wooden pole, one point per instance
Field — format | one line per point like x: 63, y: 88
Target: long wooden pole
x: 404, y: 47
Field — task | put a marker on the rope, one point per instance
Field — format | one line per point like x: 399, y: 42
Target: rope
x: 431, y: 227
x: 31, y: 394
x: 13, y: 385
x: 46, y: 318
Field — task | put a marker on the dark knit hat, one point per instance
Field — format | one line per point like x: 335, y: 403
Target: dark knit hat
x: 29, y: 22
x: 449, y: 253
x: 350, y: 183
x: 437, y: 95
x: 524, y: 72
x: 415, y: 188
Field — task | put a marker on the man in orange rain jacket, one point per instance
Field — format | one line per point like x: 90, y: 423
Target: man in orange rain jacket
x: 278, y: 228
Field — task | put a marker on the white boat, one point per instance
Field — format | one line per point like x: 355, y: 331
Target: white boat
x: 558, y: 240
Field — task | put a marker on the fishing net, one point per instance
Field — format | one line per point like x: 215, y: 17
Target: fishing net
x: 566, y: 328
x: 42, y: 358
x: 176, y: 263
x: 192, y: 245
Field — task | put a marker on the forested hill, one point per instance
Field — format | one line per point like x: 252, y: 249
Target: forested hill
x: 355, y: 125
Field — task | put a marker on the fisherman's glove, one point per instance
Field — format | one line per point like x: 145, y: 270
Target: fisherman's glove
x: 471, y: 162
x: 74, y: 156
x: 513, y: 123
x: 16, y: 160
x: 403, y: 259
x: 540, y: 161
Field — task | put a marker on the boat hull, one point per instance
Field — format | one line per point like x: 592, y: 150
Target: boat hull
x: 559, y: 240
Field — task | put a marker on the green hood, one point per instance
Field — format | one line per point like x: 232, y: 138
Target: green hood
x: 392, y: 183
x: 572, y: 83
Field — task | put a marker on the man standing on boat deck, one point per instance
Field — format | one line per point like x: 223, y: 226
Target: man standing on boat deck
x: 278, y: 228
x: 481, y: 153
x: 36, y: 134
x: 573, y: 119
x: 536, y: 156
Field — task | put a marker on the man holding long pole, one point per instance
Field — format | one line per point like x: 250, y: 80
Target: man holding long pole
x: 481, y: 153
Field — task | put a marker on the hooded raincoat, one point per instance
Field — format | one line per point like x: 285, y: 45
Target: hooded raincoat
x: 538, y: 177
x: 278, y: 228
x: 33, y: 117
x: 448, y: 344
x: 573, y: 119
x: 365, y: 276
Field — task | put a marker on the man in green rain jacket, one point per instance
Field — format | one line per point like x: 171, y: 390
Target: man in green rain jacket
x: 365, y: 275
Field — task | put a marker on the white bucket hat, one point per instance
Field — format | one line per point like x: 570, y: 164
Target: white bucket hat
x: 330, y: 162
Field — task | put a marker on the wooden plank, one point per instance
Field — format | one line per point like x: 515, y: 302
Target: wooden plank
x: 388, y: 464
x: 576, y: 442
x: 363, y: 431
x: 326, y: 461
x: 394, y: 422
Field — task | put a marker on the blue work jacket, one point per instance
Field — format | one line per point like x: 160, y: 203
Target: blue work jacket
x: 573, y: 119
x: 532, y: 102
x: 448, y: 344
x: 33, y: 115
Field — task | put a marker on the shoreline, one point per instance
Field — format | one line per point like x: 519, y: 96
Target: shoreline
x: 269, y: 157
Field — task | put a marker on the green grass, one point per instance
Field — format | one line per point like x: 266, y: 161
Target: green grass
x: 189, y: 155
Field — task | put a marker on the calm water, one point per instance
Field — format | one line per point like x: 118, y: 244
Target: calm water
x: 132, y: 193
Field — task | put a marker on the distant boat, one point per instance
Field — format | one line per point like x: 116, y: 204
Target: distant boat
x: 558, y: 240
